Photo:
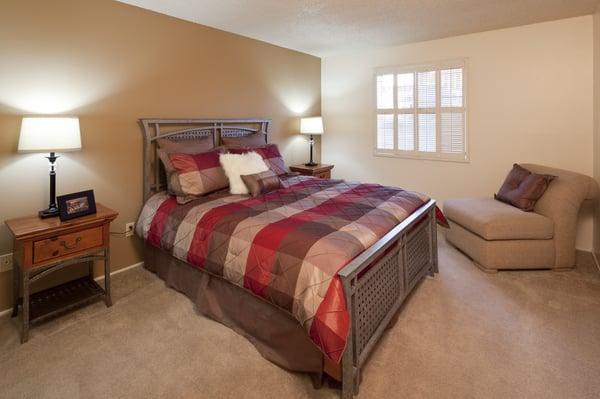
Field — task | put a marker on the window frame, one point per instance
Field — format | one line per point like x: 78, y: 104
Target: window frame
x: 438, y: 155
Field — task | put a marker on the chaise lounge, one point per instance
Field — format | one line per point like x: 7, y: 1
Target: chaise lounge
x: 500, y: 236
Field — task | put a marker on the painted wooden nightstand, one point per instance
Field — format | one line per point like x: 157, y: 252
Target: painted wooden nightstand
x: 43, y: 246
x: 321, y: 171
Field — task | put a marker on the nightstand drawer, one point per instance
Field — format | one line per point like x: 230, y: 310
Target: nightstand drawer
x: 65, y: 244
x: 323, y: 175
x: 320, y: 171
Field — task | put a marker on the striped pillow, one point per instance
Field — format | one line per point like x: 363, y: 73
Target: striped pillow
x: 261, y: 183
x: 254, y: 140
x: 190, y: 146
x: 270, y: 154
x: 193, y: 174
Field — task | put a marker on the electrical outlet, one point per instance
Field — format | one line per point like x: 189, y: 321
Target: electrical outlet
x: 129, y: 229
x: 6, y: 262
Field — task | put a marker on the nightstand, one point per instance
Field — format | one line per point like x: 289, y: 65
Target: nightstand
x: 321, y: 171
x: 43, y: 246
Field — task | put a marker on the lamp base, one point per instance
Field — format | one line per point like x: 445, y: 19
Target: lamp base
x: 311, y: 164
x: 48, y: 213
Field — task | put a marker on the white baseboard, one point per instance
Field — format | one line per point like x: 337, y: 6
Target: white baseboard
x: 121, y: 270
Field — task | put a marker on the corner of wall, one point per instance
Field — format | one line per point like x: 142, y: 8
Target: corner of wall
x: 597, y: 125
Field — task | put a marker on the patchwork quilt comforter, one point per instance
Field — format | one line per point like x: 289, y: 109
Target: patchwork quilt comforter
x: 285, y: 246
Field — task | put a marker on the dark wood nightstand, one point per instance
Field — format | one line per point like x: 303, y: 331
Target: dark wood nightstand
x: 43, y: 246
x: 321, y: 171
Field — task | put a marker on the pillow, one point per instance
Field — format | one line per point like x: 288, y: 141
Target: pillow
x: 193, y: 174
x: 441, y: 218
x: 236, y: 165
x: 253, y: 140
x: 193, y: 146
x: 261, y: 183
x: 522, y: 188
x: 270, y: 154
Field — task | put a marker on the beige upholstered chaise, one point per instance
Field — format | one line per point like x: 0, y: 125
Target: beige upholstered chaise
x: 499, y: 236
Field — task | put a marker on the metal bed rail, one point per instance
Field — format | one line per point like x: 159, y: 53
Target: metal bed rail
x: 377, y: 282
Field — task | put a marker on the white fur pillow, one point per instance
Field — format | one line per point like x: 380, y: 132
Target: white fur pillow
x: 236, y: 165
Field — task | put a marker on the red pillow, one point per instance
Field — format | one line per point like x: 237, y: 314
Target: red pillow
x: 194, y: 174
x: 270, y: 154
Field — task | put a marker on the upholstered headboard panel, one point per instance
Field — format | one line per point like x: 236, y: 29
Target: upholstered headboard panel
x: 187, y: 129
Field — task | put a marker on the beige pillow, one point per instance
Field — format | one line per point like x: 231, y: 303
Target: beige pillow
x: 236, y: 165
x: 253, y: 140
x: 193, y: 146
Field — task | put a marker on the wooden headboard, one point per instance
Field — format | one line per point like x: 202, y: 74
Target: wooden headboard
x: 187, y: 129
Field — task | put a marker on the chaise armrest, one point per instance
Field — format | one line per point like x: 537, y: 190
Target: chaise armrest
x: 561, y: 203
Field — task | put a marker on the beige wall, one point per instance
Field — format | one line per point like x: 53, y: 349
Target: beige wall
x: 110, y: 64
x: 529, y: 100
x: 597, y: 125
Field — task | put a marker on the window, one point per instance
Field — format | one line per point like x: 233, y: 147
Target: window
x: 421, y: 111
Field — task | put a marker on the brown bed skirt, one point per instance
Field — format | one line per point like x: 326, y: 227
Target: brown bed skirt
x: 277, y: 336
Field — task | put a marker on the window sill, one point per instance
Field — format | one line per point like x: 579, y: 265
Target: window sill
x: 422, y: 156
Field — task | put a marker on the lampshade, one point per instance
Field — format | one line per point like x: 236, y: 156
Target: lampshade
x: 312, y: 125
x: 49, y: 134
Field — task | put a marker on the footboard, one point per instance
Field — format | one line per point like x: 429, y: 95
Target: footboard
x: 377, y: 282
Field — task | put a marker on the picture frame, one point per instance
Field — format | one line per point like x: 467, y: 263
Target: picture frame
x: 74, y: 205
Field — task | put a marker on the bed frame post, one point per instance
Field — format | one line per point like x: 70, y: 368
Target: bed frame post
x: 349, y: 386
x: 433, y: 241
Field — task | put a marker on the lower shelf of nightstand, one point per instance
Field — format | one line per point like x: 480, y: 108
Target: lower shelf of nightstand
x: 58, y: 300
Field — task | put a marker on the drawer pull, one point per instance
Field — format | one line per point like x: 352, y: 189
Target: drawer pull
x: 66, y: 246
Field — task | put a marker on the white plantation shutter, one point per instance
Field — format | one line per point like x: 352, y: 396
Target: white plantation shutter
x: 406, y: 132
x: 452, y: 119
x: 452, y: 87
x: 385, y: 91
x: 406, y: 90
x: 426, y: 89
x: 385, y: 131
x: 427, y: 133
x: 421, y: 111
x: 452, y: 132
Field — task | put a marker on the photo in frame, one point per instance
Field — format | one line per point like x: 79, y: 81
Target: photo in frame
x: 75, y: 205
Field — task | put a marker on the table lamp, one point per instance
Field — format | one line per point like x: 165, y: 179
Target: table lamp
x: 312, y: 126
x: 50, y: 134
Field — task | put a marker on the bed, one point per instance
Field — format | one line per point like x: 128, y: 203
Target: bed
x: 312, y: 273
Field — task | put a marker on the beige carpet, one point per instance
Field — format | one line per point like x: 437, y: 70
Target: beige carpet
x: 464, y: 334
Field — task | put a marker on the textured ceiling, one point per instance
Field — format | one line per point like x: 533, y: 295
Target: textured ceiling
x: 330, y: 26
